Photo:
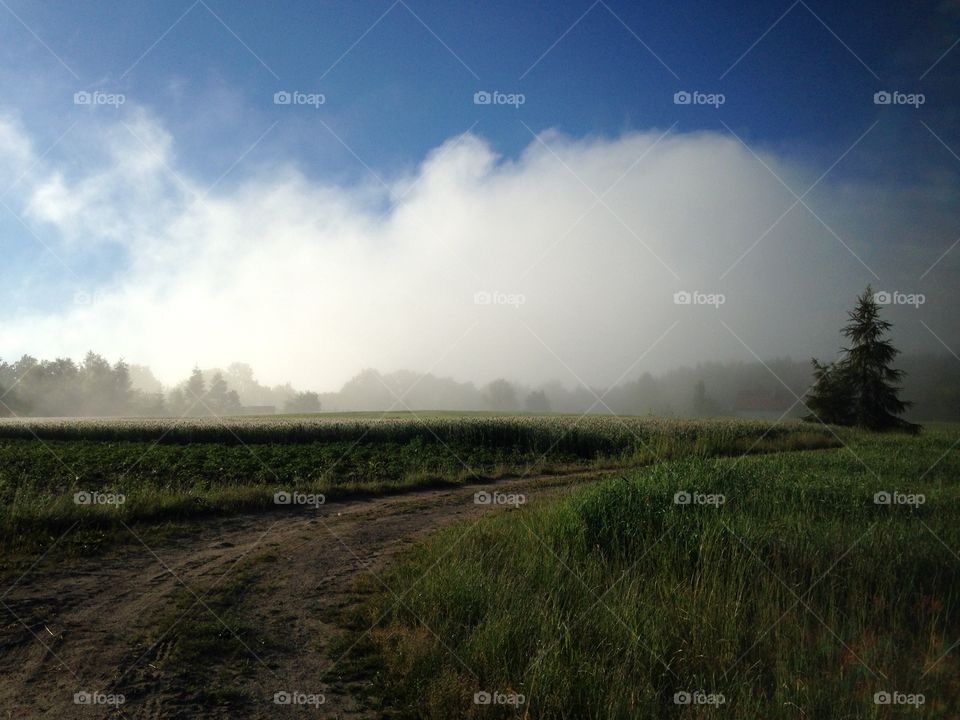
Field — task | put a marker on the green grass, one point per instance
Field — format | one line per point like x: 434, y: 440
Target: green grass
x: 174, y: 470
x: 797, y: 597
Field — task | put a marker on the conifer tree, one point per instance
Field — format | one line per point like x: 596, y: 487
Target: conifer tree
x: 830, y: 398
x: 862, y: 388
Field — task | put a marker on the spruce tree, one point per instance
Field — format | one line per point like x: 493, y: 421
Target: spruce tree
x: 862, y: 388
x: 831, y: 397
x: 196, y: 391
x: 869, y: 363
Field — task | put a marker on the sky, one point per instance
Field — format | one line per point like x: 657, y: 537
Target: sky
x: 517, y: 189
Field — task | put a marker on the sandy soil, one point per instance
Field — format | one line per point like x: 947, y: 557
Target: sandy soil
x: 91, y: 625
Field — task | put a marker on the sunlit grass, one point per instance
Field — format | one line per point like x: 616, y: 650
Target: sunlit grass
x: 796, y: 597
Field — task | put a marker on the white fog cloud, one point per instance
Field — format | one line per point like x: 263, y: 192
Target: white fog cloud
x: 310, y: 282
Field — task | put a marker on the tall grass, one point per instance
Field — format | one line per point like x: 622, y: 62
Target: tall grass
x: 796, y: 597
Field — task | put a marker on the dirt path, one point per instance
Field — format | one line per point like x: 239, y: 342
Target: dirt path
x: 112, y: 625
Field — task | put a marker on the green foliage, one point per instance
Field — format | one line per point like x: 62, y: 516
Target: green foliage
x: 584, y: 436
x: 831, y: 398
x: 861, y: 388
x: 799, y: 596
x: 62, y: 387
x: 176, y: 469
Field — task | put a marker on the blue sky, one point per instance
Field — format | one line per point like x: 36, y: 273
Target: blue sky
x: 399, y: 78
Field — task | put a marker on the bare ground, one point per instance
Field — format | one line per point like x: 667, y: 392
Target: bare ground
x: 270, y: 588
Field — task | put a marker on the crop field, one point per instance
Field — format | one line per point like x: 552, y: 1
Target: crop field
x: 662, y: 568
x: 821, y: 584
x: 98, y: 473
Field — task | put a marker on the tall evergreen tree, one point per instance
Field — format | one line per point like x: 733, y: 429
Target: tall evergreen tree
x: 863, y: 387
x: 831, y: 397
x: 870, y: 365
x: 195, y: 393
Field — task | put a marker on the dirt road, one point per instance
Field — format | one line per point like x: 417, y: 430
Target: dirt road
x: 119, y: 625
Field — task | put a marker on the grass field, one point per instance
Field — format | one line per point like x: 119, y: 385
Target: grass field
x: 783, y: 589
x: 165, y: 469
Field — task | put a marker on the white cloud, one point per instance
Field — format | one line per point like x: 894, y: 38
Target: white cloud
x: 310, y: 282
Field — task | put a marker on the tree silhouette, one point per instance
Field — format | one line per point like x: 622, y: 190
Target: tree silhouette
x: 501, y: 395
x: 221, y: 400
x: 862, y: 388
x: 303, y: 402
x: 831, y: 397
x: 196, y: 390
x: 538, y: 402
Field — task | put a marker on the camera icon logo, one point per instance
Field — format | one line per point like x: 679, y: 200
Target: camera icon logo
x: 83, y: 698
x: 282, y: 698
x: 882, y: 498
x: 682, y: 297
x: 883, y: 297
x: 282, y: 498
x: 682, y: 97
x: 482, y: 97
x: 882, y: 97
x: 282, y: 97
x: 82, y: 98
x: 482, y: 698
x: 682, y: 698
x: 482, y: 498
x: 82, y: 498
x: 482, y: 298
x: 882, y: 698
x: 682, y: 497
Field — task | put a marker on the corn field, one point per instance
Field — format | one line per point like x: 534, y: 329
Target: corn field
x: 582, y: 436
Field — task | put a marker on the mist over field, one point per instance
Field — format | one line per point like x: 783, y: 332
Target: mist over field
x: 560, y: 264
x: 431, y: 360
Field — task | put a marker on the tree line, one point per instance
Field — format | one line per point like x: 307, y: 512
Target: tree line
x: 95, y: 388
x: 861, y: 388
